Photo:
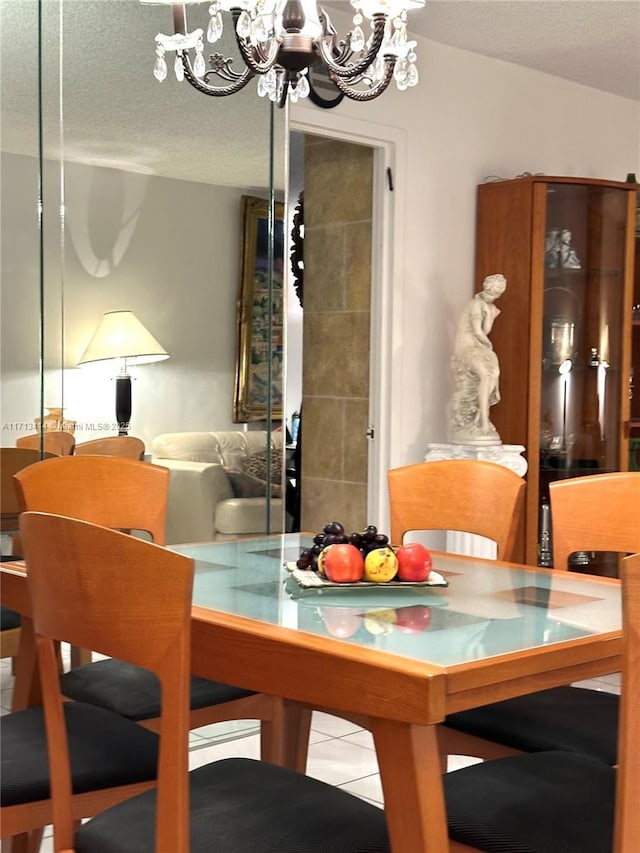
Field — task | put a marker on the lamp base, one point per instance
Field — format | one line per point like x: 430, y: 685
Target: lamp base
x: 123, y: 403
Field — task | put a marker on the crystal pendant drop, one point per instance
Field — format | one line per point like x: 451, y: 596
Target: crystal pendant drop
x: 160, y: 68
x: 357, y: 39
x: 400, y: 71
x: 262, y: 87
x: 178, y: 68
x: 260, y: 32
x: 199, y: 67
x: 270, y: 81
x: 303, y: 86
x: 214, y: 30
x: 243, y: 27
x: 412, y: 75
x: 378, y: 69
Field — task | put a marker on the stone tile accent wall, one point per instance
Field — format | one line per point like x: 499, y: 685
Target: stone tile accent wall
x: 336, y: 339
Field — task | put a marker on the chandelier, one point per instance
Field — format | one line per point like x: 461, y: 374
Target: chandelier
x: 280, y: 40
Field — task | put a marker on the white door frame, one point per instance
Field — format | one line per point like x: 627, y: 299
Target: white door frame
x: 387, y: 274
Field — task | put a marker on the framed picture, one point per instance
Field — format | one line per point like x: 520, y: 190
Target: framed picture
x: 260, y: 314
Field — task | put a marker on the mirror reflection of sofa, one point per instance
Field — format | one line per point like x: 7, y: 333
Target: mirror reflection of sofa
x: 218, y: 483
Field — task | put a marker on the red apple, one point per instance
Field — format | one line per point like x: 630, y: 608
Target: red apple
x: 414, y: 562
x: 342, y: 563
x: 413, y: 619
x: 341, y: 622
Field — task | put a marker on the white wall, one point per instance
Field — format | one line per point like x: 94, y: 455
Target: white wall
x: 167, y: 250
x: 470, y: 117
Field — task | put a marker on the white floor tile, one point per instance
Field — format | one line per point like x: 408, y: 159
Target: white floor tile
x: 333, y: 726
x: 47, y: 845
x: 336, y: 762
x: 228, y: 729
x: 607, y: 684
x: 361, y: 738
x: 246, y: 747
x: 457, y: 762
x: 369, y: 788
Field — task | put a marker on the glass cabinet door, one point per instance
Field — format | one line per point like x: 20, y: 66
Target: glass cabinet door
x: 582, y: 346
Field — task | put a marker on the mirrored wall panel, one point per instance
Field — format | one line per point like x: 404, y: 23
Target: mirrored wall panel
x: 161, y: 259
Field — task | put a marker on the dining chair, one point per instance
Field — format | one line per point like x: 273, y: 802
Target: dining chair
x: 61, y: 442
x: 127, y: 446
x: 465, y: 495
x: 598, y: 512
x: 131, y: 599
x: 104, y: 770
x: 129, y: 495
x: 12, y: 459
x: 560, y: 800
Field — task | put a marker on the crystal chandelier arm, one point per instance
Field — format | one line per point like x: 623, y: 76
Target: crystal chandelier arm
x: 255, y: 65
x: 379, y: 21
x: 368, y: 94
x: 238, y: 83
x: 259, y: 62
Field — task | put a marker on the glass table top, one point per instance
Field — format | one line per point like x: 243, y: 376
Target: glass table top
x: 485, y: 610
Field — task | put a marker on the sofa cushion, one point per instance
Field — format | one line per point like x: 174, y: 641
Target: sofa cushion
x: 246, y: 486
x: 257, y: 466
x: 238, y: 516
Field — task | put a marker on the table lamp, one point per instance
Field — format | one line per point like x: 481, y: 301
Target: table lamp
x: 121, y: 336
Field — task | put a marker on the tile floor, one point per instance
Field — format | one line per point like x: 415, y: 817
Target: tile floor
x: 340, y: 753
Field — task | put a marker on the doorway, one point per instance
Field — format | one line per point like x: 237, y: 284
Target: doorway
x: 348, y: 209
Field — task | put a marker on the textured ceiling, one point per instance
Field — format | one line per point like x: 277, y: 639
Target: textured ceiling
x: 594, y: 42
x: 116, y: 114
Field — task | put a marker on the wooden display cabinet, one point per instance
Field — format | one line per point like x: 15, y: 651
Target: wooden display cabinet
x: 563, y: 339
x: 634, y: 381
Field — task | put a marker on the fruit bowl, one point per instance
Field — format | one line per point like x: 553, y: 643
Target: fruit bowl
x: 366, y: 558
x: 315, y: 581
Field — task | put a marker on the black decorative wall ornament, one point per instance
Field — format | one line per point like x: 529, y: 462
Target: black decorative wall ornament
x: 297, y: 248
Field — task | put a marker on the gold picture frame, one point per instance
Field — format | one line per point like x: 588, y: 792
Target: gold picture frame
x: 260, y: 314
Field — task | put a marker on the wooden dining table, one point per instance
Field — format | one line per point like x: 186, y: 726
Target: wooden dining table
x: 394, y: 659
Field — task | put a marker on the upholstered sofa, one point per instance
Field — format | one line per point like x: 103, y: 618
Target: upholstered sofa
x: 217, y: 488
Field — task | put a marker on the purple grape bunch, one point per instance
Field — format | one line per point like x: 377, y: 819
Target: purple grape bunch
x: 334, y: 533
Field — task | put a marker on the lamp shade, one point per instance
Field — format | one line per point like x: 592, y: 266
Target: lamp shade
x: 121, y: 335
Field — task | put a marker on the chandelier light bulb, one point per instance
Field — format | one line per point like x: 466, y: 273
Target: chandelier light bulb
x: 279, y: 40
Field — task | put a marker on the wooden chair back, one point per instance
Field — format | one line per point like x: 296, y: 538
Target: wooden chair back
x: 126, y: 446
x: 119, y: 493
x: 597, y: 513
x: 627, y: 814
x: 127, y: 599
x: 459, y: 494
x: 12, y: 460
x: 61, y: 442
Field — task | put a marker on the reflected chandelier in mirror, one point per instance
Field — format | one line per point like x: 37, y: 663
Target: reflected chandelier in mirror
x: 279, y: 40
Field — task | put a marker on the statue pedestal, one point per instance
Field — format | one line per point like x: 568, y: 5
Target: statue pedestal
x: 508, y: 455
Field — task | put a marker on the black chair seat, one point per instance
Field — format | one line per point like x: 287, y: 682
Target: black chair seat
x: 544, y: 802
x: 105, y: 751
x: 8, y: 619
x: 563, y: 718
x: 243, y: 806
x: 133, y: 692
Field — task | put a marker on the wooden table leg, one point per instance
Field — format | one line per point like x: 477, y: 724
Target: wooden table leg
x: 295, y: 725
x: 409, y: 763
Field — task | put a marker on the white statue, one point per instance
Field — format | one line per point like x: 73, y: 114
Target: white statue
x: 476, y: 371
x: 568, y: 255
x: 552, y: 248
